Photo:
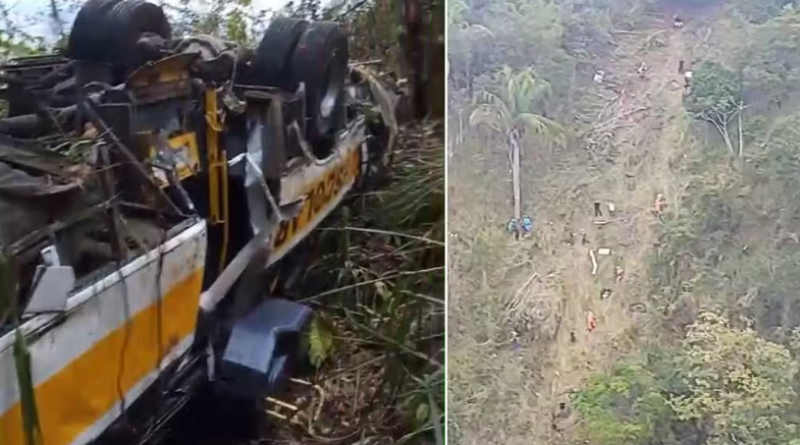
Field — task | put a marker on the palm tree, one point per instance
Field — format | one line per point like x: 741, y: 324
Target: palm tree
x: 512, y: 111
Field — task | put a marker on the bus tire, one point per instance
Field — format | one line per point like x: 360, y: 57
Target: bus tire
x: 274, y: 53
x: 107, y: 30
x: 320, y: 61
x: 88, y: 38
x: 128, y: 21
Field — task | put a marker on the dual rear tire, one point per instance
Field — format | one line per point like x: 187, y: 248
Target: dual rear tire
x: 107, y: 31
x: 291, y: 52
x: 315, y: 54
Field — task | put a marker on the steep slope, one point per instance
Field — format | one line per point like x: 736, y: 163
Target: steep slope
x: 519, y: 341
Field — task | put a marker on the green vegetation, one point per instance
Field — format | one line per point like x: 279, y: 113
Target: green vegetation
x: 720, y: 383
x: 710, y: 355
x: 626, y: 407
x: 759, y: 12
x: 716, y: 99
x: 513, y: 108
x: 376, y: 273
x: 733, y: 380
x: 385, y: 306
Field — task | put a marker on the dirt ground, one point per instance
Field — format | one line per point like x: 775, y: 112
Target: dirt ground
x: 518, y: 337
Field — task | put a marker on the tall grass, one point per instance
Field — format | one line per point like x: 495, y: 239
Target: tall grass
x: 379, y: 336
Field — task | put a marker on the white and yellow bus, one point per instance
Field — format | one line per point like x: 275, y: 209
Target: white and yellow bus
x: 150, y: 317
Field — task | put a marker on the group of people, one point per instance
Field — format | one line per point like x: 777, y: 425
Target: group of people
x: 526, y: 226
x: 513, y: 226
x: 658, y: 206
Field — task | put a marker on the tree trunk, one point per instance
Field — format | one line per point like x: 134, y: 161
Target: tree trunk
x: 723, y: 131
x: 412, y: 55
x: 741, y: 136
x: 423, y: 53
x: 515, y: 176
x: 728, y: 141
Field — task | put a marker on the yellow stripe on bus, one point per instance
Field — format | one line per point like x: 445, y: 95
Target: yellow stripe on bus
x: 84, y: 390
x: 318, y: 196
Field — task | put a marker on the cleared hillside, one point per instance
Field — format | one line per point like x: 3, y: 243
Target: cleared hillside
x: 694, y: 308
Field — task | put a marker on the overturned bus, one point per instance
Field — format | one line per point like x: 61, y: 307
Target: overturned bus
x: 147, y: 185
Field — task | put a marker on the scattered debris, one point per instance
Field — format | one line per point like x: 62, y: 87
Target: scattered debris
x: 642, y: 69
x: 603, y: 127
x: 677, y: 21
x: 599, y: 76
x: 605, y: 294
x: 515, y: 343
x: 524, y: 294
x: 619, y: 273
x: 708, y: 34
x: 638, y: 307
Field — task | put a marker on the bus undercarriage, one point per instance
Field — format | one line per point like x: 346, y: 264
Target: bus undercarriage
x: 148, y: 186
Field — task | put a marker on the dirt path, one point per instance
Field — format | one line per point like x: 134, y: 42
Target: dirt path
x: 637, y: 161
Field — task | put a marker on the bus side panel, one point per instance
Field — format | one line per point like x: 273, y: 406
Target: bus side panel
x: 83, y: 364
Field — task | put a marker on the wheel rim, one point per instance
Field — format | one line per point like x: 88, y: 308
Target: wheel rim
x: 333, y: 85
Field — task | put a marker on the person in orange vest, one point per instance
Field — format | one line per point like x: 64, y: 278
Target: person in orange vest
x: 591, y: 322
x: 659, y: 205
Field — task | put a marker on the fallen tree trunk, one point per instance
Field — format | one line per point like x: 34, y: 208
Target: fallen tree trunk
x: 515, y: 177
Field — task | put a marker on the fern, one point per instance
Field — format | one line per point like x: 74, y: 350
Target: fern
x: 320, y: 341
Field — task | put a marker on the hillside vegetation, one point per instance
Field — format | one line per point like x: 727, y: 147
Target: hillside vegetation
x: 696, y: 341
x: 375, y: 269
